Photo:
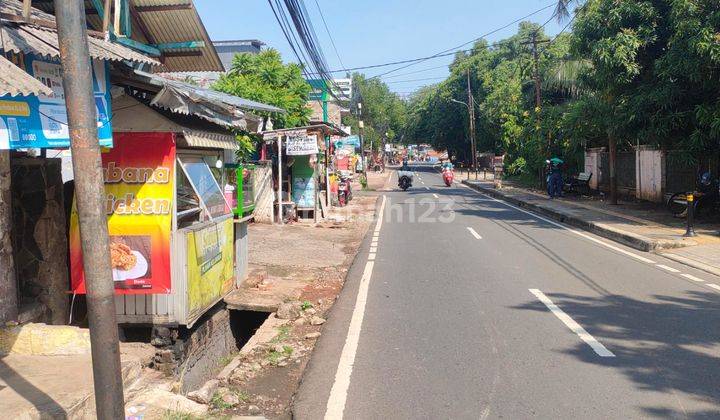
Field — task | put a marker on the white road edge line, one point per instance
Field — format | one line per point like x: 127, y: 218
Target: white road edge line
x: 338, y: 393
x: 588, y: 237
x: 601, y: 350
x: 666, y: 268
x: 714, y: 286
x: 693, y: 278
x: 473, y: 233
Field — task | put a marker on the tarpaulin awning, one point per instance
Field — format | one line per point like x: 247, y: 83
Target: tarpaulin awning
x: 14, y: 81
x: 207, y: 140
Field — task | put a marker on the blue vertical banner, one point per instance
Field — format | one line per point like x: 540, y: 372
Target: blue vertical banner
x: 41, y: 121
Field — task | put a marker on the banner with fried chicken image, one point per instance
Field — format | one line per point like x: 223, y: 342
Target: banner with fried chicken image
x: 139, y: 182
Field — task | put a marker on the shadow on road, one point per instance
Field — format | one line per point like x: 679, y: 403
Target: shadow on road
x: 665, y: 344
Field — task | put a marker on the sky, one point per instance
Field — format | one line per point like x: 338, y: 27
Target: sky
x: 368, y: 32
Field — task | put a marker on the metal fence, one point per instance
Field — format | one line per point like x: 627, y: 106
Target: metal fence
x: 625, y: 171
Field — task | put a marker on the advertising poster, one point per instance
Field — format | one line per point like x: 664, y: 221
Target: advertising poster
x: 41, y: 121
x: 301, y: 144
x: 209, y: 264
x: 139, y: 184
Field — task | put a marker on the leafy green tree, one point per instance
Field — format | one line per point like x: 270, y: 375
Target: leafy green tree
x: 383, y: 111
x: 264, y: 78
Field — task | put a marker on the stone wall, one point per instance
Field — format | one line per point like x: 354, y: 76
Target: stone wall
x: 39, y: 236
x: 194, y: 355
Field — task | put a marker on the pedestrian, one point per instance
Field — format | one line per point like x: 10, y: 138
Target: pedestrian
x: 555, y: 179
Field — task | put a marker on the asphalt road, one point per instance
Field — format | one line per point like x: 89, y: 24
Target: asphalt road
x: 469, y: 308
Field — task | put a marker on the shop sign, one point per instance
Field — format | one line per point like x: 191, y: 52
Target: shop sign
x: 301, y: 144
x: 139, y: 184
x: 209, y: 264
x: 41, y: 121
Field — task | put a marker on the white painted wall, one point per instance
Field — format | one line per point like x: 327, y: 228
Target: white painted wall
x: 592, y: 165
x: 648, y: 172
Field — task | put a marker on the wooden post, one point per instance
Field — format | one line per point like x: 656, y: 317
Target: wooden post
x: 106, y: 16
x: 116, y: 17
x: 8, y: 285
x: 26, y: 9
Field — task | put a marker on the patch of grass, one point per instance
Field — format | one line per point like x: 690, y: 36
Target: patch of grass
x: 282, y: 335
x: 274, y: 357
x: 225, y: 360
x: 243, y: 396
x: 179, y: 415
x: 217, y: 403
x: 306, y: 305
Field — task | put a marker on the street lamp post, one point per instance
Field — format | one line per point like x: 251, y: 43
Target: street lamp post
x: 471, y: 115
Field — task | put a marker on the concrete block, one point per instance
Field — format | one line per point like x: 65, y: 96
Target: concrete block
x: 44, y: 340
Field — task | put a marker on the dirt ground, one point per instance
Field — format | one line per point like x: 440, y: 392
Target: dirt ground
x: 316, y: 258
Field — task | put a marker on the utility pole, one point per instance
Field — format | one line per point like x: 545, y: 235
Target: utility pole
x: 90, y: 193
x: 361, y: 126
x: 471, y: 114
x: 534, y: 41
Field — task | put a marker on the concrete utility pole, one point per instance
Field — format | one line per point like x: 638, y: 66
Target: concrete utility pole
x: 89, y: 194
x: 361, y: 126
x: 471, y: 111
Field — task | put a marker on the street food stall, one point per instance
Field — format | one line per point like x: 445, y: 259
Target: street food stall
x: 301, y: 168
x: 176, y: 248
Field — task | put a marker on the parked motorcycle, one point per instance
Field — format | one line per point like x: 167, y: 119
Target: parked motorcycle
x: 448, y: 176
x: 707, y: 198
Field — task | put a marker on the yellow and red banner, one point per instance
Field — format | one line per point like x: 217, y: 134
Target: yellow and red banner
x: 139, y: 184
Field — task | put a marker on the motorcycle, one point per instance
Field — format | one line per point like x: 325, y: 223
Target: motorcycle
x: 707, y: 198
x: 405, y: 179
x: 448, y: 176
x: 344, y: 190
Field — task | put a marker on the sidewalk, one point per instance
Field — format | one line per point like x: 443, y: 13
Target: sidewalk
x: 643, y: 226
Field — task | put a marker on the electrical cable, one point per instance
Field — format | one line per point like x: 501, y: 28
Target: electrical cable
x: 444, y: 53
x: 332, y: 41
x: 471, y: 41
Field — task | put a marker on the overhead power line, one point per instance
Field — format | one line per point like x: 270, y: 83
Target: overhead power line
x: 332, y: 41
x: 415, y: 80
x: 444, y: 53
x: 471, y: 41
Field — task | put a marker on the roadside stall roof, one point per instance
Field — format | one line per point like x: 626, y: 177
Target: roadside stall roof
x: 324, y: 128
x: 39, y: 36
x: 14, y: 81
x: 184, y: 98
x: 172, y: 28
x: 131, y: 115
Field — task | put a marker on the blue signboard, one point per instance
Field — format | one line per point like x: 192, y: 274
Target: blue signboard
x: 349, y: 141
x: 41, y: 121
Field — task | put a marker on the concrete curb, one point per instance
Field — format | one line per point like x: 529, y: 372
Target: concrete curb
x: 691, y: 263
x: 632, y: 240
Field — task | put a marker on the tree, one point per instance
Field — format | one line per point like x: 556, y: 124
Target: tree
x: 264, y: 78
x: 383, y: 112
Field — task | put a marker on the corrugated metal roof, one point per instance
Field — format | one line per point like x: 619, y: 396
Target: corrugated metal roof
x: 208, y: 140
x: 179, y: 25
x: 208, y: 94
x: 31, y: 39
x: 164, y: 25
x: 28, y: 39
x: 14, y: 81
